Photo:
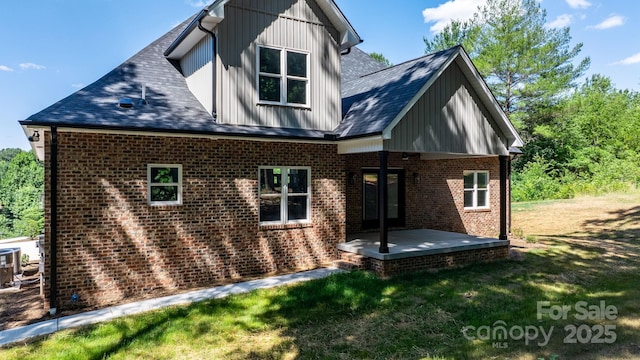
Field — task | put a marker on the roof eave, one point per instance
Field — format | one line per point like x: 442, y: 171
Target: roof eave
x: 186, y: 39
x: 386, y: 133
x: 36, y: 146
x: 47, y: 125
x: 505, y: 124
x: 348, y: 35
x: 491, y: 103
x: 214, y: 14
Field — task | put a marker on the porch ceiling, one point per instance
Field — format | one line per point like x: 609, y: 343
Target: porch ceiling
x: 414, y: 243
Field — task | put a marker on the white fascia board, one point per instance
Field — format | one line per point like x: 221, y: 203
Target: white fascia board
x: 361, y: 145
x: 485, y: 93
x: 216, y: 9
x: 210, y: 18
x: 492, y: 104
x: 386, y: 133
x: 348, y: 35
x: 187, y: 135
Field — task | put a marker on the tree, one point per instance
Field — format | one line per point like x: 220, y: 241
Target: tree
x: 455, y: 33
x: 527, y: 65
x: 380, y: 58
x: 21, y: 186
x: 6, y: 155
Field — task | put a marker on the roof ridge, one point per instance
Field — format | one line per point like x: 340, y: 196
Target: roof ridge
x: 409, y: 61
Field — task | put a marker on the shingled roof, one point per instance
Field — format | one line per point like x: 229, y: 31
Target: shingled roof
x: 371, y: 102
x: 373, y: 96
x: 358, y: 63
x: 170, y: 107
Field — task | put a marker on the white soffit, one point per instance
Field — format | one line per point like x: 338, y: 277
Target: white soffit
x: 361, y: 145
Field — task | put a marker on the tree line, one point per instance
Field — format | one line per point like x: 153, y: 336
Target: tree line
x: 580, y: 137
x: 21, y: 194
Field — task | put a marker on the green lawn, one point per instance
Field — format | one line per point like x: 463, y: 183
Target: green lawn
x: 414, y: 316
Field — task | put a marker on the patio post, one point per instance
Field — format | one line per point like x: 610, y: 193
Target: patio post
x: 382, y: 201
x: 504, y: 170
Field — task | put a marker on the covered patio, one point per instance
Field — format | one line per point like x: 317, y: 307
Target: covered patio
x: 419, y: 249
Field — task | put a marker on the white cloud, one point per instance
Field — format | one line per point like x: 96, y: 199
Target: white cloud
x: 610, y: 22
x: 197, y: 3
x: 5, y: 68
x: 451, y: 10
x: 27, y: 66
x: 77, y: 86
x: 578, y: 4
x: 633, y: 59
x: 560, y: 22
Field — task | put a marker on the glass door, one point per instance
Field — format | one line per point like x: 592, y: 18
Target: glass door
x: 395, y: 205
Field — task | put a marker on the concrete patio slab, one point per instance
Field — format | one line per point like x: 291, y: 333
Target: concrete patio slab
x: 413, y: 243
x: 92, y: 317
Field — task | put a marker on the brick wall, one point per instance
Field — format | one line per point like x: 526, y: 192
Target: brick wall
x: 434, y: 200
x: 113, y: 245
x: 437, y: 261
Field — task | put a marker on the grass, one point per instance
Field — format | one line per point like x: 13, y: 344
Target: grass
x: 591, y: 255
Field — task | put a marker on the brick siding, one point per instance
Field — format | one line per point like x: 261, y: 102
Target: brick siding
x: 113, y: 245
x: 437, y: 261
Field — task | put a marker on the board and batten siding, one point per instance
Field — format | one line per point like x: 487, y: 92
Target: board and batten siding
x: 449, y: 118
x: 197, y: 67
x: 296, y: 25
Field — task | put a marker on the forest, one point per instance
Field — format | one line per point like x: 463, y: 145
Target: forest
x: 581, y: 134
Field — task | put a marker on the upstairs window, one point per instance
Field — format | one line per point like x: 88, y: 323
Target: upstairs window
x: 285, y: 195
x: 164, y: 184
x: 283, y: 76
x: 476, y: 189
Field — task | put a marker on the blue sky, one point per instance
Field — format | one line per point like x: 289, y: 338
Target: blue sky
x: 52, y: 48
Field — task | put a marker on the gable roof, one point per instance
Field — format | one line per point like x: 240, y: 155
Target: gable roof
x: 213, y: 14
x: 170, y: 105
x: 374, y: 104
x: 358, y: 63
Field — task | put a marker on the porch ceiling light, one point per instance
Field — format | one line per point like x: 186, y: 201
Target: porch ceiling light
x: 35, y: 137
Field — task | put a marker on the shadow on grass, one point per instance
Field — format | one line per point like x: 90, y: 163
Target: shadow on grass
x: 410, y: 316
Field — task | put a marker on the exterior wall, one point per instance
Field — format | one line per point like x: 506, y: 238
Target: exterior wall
x: 197, y: 68
x: 436, y: 199
x: 293, y: 24
x: 113, y: 245
x: 448, y: 118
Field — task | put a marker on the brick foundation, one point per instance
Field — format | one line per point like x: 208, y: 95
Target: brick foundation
x: 437, y: 261
x: 113, y: 245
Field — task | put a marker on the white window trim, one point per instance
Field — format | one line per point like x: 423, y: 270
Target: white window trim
x: 284, y: 195
x: 151, y: 184
x: 475, y: 189
x: 283, y: 77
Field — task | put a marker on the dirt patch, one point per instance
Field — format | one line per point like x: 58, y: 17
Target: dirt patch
x: 22, y: 306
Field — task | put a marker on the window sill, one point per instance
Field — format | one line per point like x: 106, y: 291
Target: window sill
x: 164, y: 207
x: 285, y: 226
x: 478, y: 210
x: 295, y: 106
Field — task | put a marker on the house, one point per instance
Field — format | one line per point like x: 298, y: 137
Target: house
x: 255, y: 138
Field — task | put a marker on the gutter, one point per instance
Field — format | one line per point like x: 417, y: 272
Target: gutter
x: 214, y: 42
x: 53, y: 237
x: 195, y: 23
